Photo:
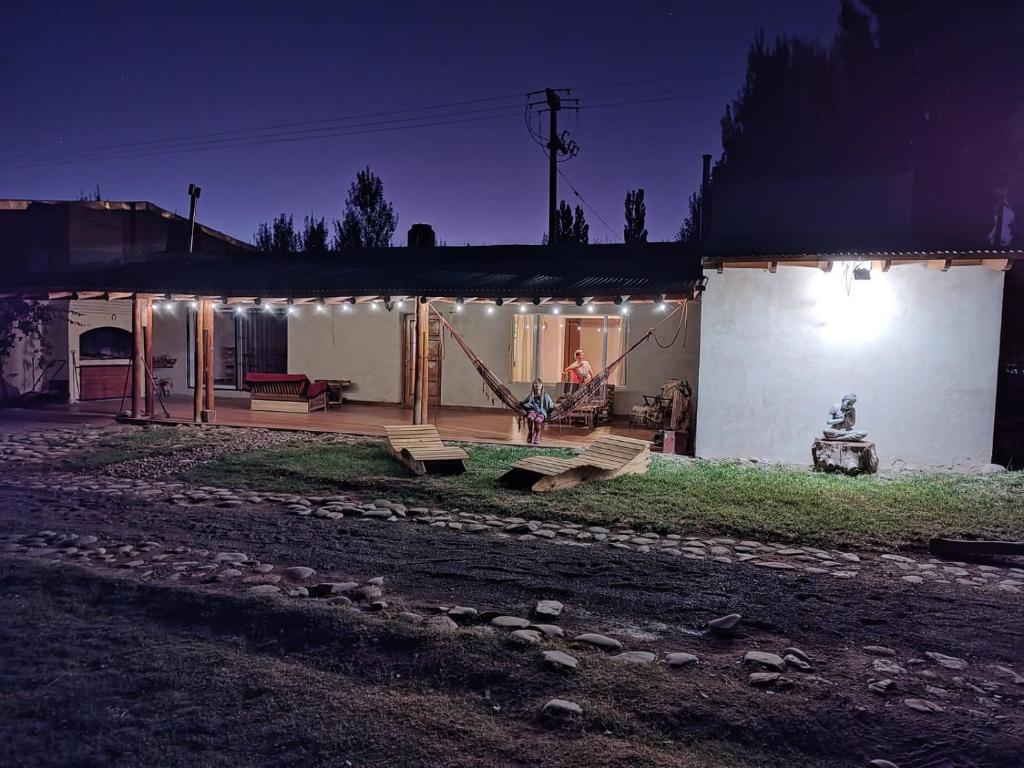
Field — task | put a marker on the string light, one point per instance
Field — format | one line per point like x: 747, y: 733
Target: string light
x: 556, y: 311
x: 490, y: 310
x: 239, y: 310
x: 590, y: 308
x: 374, y: 305
x: 346, y: 307
x: 522, y: 308
x: 193, y: 304
x: 267, y: 308
x: 400, y: 304
x: 458, y: 306
x: 624, y: 310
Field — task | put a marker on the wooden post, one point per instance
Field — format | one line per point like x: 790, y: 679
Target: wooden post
x: 138, y: 360
x: 208, y: 363
x: 420, y: 375
x: 147, y: 321
x: 199, y: 366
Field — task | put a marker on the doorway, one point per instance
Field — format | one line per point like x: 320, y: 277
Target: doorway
x: 435, y: 353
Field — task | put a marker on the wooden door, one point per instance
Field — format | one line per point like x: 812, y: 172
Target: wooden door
x: 435, y: 353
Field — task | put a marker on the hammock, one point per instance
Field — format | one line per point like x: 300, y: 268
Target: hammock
x: 586, y: 393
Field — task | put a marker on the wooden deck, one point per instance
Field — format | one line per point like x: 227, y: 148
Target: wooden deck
x: 463, y: 424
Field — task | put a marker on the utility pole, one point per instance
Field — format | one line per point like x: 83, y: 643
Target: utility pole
x: 554, y: 143
x: 558, y: 146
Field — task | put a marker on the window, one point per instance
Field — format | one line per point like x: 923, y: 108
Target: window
x: 254, y: 341
x: 544, y: 345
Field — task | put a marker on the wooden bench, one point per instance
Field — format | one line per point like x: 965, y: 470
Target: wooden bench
x: 285, y: 393
x: 419, y: 447
x: 609, y: 456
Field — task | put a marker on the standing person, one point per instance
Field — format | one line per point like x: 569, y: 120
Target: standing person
x: 538, y: 405
x: 579, y: 371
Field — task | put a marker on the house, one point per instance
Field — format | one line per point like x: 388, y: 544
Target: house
x: 768, y: 341
x: 57, y: 236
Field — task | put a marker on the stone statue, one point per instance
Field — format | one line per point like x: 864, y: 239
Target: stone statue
x: 841, y: 419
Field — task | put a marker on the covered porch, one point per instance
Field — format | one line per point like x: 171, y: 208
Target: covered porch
x: 192, y: 334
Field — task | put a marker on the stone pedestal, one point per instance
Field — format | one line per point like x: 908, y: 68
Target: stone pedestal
x: 852, y: 457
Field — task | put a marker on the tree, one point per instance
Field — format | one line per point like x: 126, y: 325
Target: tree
x: 314, y: 235
x: 279, y: 237
x: 572, y: 228
x: 913, y: 87
x: 369, y: 220
x: 635, y: 230
x: 689, y: 233
x: 23, y: 321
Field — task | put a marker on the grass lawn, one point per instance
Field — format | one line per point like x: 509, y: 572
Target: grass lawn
x: 704, y: 497
x: 123, y: 446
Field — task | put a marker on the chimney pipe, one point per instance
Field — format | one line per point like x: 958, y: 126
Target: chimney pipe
x: 705, y: 186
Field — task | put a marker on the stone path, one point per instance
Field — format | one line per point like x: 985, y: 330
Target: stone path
x: 806, y: 560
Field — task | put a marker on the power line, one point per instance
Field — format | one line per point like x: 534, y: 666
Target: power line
x: 589, y: 206
x: 276, y: 126
x: 231, y: 139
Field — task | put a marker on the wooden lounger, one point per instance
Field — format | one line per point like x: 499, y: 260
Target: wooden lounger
x: 420, y: 448
x: 609, y: 456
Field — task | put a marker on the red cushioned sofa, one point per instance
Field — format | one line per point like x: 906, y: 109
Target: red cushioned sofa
x: 285, y: 392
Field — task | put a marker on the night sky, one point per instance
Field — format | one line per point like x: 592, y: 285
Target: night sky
x: 76, y: 76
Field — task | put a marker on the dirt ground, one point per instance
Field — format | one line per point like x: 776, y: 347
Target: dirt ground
x: 109, y: 666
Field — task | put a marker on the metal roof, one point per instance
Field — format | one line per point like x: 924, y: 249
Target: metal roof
x: 506, y: 271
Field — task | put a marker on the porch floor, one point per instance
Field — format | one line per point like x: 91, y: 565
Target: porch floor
x: 453, y: 423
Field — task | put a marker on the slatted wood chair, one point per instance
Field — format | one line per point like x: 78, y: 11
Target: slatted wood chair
x: 609, y: 456
x: 419, y: 447
x: 285, y: 392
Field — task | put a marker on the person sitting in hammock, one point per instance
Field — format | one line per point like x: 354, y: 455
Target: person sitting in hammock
x: 579, y: 372
x: 538, y: 405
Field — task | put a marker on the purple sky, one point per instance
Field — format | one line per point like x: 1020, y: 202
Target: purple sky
x: 80, y: 75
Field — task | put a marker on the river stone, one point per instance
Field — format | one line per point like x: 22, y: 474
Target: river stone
x: 725, y: 623
x: 561, y: 707
x: 922, y: 705
x: 796, y: 662
x: 763, y: 679
x: 680, y: 659
x: 887, y: 667
x: 599, y: 641
x: 635, y: 657
x: 299, y: 573
x: 1007, y: 672
x: 462, y: 614
x: 548, y: 609
x: 949, y: 662
x: 791, y: 651
x: 550, y: 630
x: 526, y: 636
x: 882, y: 764
x: 881, y: 687
x: 377, y: 581
x: 764, y: 660
x: 510, y: 622
x: 561, y: 660
x: 326, y: 589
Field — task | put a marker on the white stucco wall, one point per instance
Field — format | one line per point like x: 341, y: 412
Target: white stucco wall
x: 918, y: 346
x: 170, y: 337
x: 362, y: 345
x: 366, y: 346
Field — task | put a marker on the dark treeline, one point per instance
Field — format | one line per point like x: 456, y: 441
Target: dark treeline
x: 934, y: 88
x: 368, y: 220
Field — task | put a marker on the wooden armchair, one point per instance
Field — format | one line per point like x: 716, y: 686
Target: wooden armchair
x: 285, y: 392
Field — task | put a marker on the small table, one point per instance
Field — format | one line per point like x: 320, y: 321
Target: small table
x: 336, y: 391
